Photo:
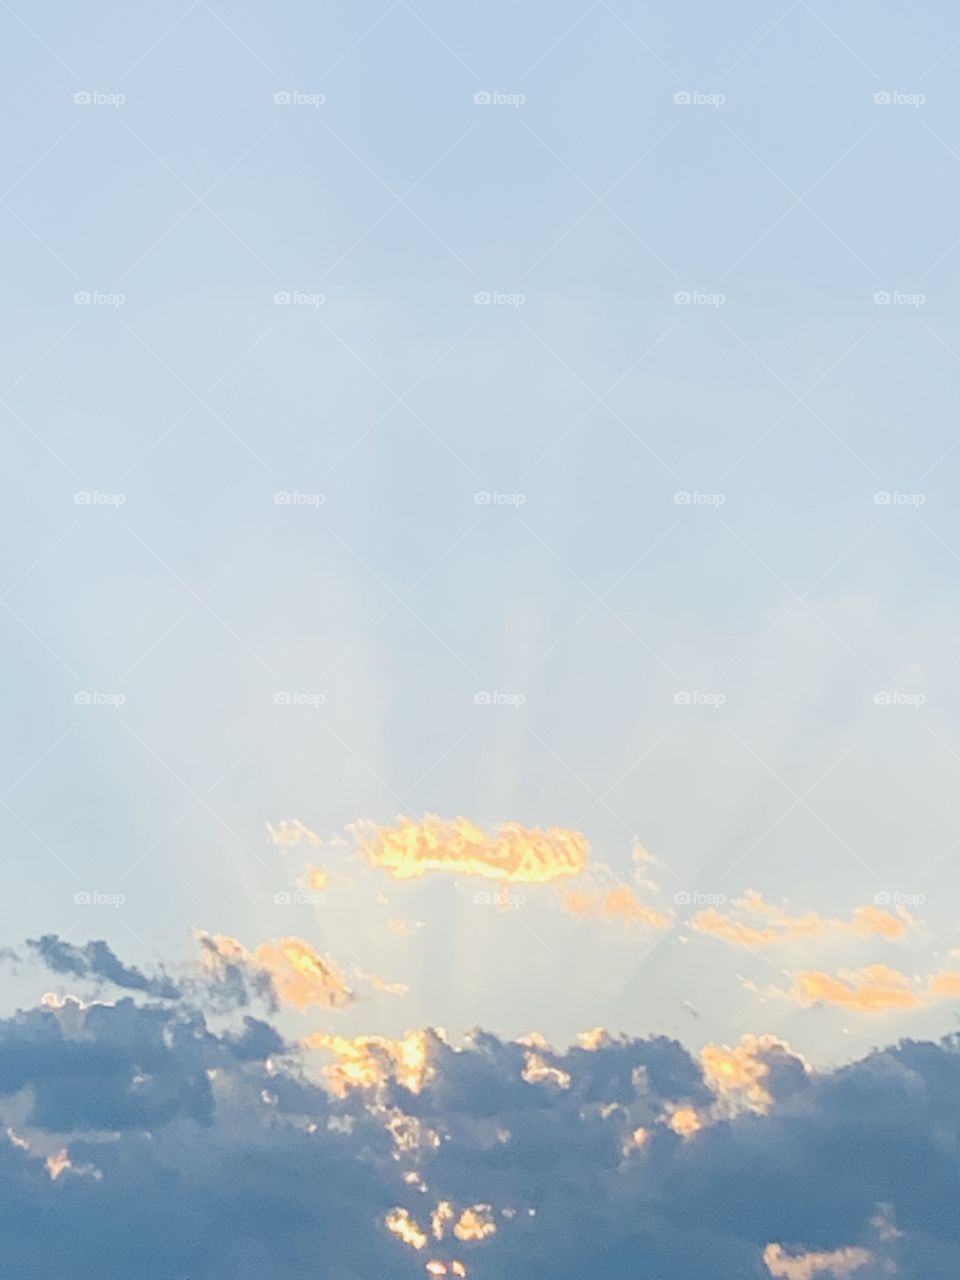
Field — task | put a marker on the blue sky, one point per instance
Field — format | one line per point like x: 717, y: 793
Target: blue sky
x: 607, y: 356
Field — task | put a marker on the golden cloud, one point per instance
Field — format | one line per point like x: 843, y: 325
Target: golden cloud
x: 367, y: 1062
x: 475, y: 1223
x: 515, y: 853
x: 300, y: 976
x: 620, y: 903
x: 404, y: 1226
x: 806, y: 1266
x: 874, y: 989
x: 738, y: 1075
x: 684, y: 1121
x: 768, y: 924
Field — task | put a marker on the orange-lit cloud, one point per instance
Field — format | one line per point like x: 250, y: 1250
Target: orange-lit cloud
x: 514, y: 853
x: 838, y: 1263
x: 767, y: 924
x: 404, y: 1226
x: 944, y: 985
x: 538, y: 1071
x: 620, y: 903
x: 874, y: 989
x: 475, y: 1223
x: 685, y: 1121
x: 299, y: 976
x: 739, y: 1075
x: 366, y: 1062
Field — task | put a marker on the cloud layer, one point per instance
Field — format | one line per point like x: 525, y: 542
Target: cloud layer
x: 489, y: 1159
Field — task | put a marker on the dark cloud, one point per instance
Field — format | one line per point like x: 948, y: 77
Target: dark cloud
x: 96, y: 960
x: 213, y: 1152
x: 229, y: 984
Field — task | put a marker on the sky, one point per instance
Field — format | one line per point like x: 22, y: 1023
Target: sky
x: 478, y: 631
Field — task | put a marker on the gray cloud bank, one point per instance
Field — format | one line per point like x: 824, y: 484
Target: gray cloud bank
x: 218, y: 1154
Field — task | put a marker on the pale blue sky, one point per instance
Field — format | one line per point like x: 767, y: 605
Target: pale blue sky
x: 598, y: 198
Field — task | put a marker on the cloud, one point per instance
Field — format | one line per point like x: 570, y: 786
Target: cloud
x: 874, y: 989
x: 767, y: 925
x: 620, y: 903
x: 743, y: 1076
x: 289, y: 967
x: 97, y: 961
x: 365, y: 1155
x: 807, y: 1266
x: 517, y: 854
x: 288, y: 834
x: 369, y: 1062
